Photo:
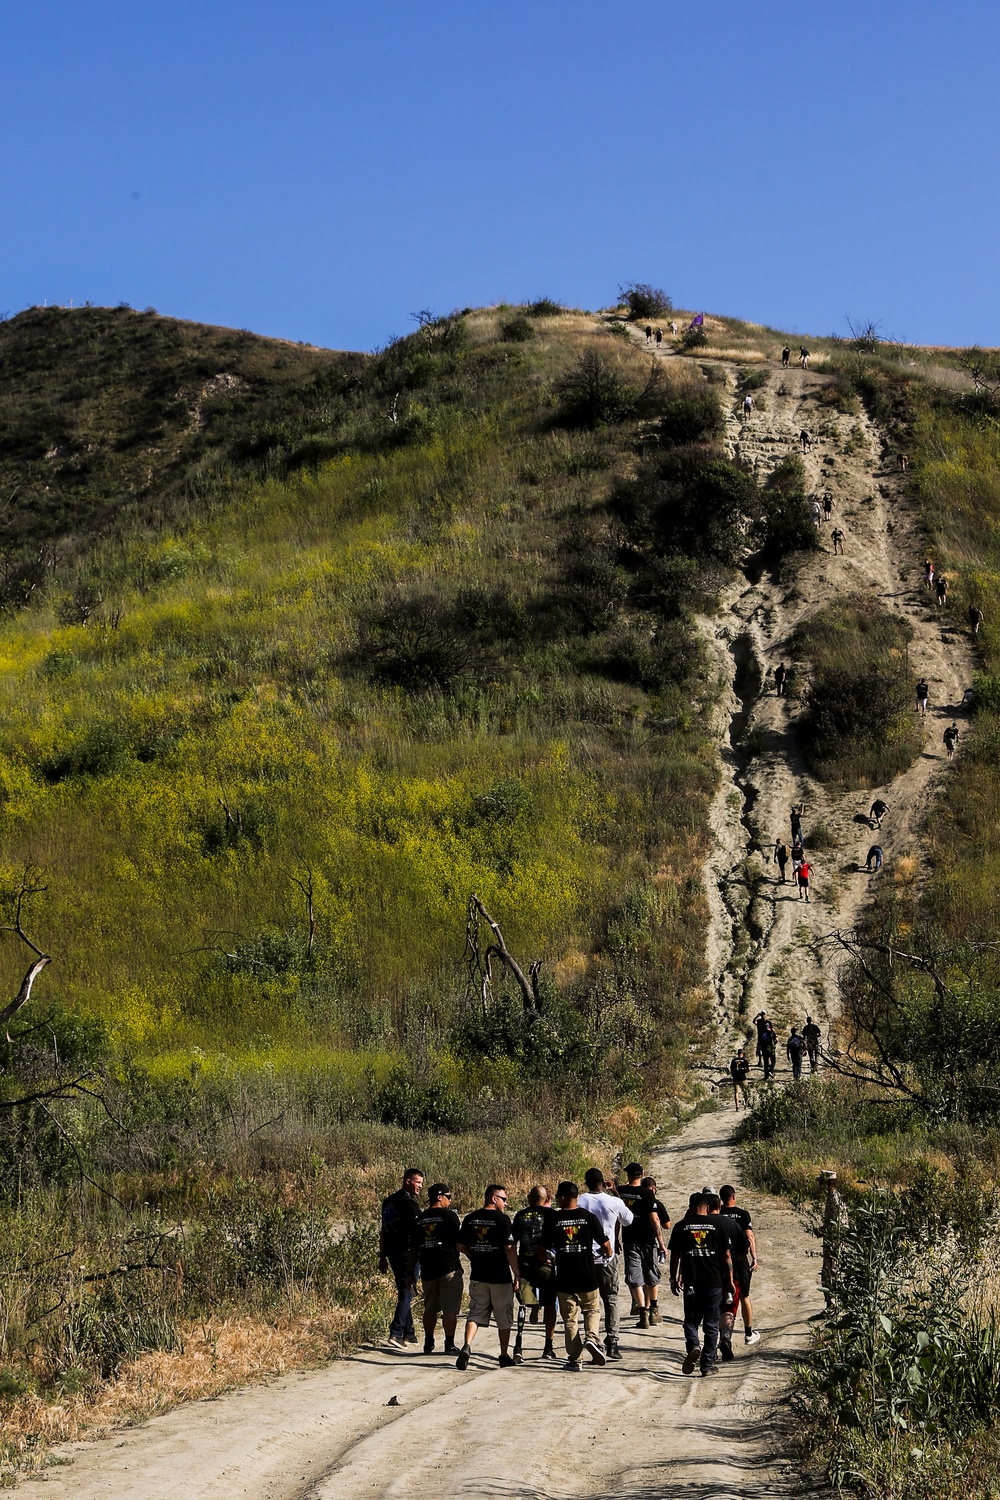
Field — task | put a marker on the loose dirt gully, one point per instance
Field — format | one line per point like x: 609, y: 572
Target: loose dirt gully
x: 406, y: 1425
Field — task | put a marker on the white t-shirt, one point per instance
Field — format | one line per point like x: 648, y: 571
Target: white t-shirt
x: 610, y: 1211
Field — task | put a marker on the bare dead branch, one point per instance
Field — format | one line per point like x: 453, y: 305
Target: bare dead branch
x: 481, y: 963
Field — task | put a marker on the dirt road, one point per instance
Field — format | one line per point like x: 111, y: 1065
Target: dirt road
x: 639, y: 1428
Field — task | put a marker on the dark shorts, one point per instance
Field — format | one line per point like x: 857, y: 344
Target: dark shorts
x: 742, y: 1275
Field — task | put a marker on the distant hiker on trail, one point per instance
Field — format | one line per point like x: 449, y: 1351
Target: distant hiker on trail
x: 804, y: 357
x: 659, y: 337
x: 795, y: 1046
x: 817, y: 512
x: 805, y: 871
x: 805, y: 440
x: 780, y: 674
x: 786, y: 355
x: 877, y: 811
x: 748, y: 406
x: 780, y: 857
x: 649, y: 333
x: 928, y: 574
x: 738, y: 1070
x: 976, y: 618
x: 922, y: 694
x: 874, y: 860
x: 761, y: 1022
x: 904, y: 463
x: 968, y: 698
x: 811, y: 1036
x: 951, y: 739
x: 768, y: 1050
x: 827, y: 507
x: 837, y: 538
x: 941, y: 589
x: 672, y: 326
x: 701, y: 1264
x: 795, y: 818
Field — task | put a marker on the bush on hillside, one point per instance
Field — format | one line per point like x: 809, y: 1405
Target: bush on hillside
x: 645, y: 301
x: 785, y: 524
x: 421, y: 639
x: 544, y: 307
x: 595, y: 393
x: 517, y: 330
x: 693, y: 338
x: 692, y: 415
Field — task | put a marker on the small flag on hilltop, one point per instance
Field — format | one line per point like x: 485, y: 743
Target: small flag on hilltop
x: 697, y: 320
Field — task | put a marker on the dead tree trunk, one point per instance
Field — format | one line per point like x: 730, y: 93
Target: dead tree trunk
x: 481, y: 962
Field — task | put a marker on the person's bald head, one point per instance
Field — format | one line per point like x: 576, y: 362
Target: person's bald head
x: 539, y: 1195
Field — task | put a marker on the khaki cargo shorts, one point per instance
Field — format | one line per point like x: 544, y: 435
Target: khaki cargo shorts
x: 443, y: 1294
x: 491, y: 1296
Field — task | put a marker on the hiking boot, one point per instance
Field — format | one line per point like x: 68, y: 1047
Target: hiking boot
x: 505, y: 1361
x: 654, y: 1314
x: 465, y: 1354
x: 711, y: 1369
x: 643, y: 1318
x: 428, y: 1346
x: 612, y: 1350
x: 726, y: 1350
x: 597, y: 1354
x: 691, y: 1359
x: 635, y: 1309
x: 572, y: 1364
x: 533, y: 1315
x: 753, y: 1337
x: 549, y: 1352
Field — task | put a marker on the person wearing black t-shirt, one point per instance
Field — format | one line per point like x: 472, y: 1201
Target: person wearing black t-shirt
x: 744, y: 1259
x: 434, y: 1252
x: 642, y: 1241
x: 571, y: 1235
x: 700, y: 1262
x: 536, y: 1272
x: 399, y: 1214
x: 487, y: 1238
x: 663, y: 1215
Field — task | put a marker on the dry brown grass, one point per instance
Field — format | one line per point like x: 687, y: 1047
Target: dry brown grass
x: 216, y: 1356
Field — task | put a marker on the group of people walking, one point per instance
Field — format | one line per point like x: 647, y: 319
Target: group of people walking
x: 565, y: 1258
x: 799, y: 1045
x: 782, y: 854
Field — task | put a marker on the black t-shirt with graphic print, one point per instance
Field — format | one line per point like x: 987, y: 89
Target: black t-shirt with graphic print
x: 574, y: 1234
x: 435, y: 1239
x: 486, y: 1235
x: 529, y: 1224
x: 642, y: 1203
x: 701, y: 1243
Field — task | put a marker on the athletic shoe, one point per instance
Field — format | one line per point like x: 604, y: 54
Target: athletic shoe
x: 654, y: 1314
x: 411, y: 1338
x: 572, y: 1364
x: 691, y: 1361
x: 450, y: 1347
x: 505, y: 1361
x: 711, y: 1369
x: 643, y: 1317
x: 613, y: 1351
x: 753, y: 1338
x: 726, y: 1350
x: 428, y: 1346
x: 465, y: 1354
x: 518, y: 1357
x: 549, y: 1352
x: 597, y: 1354
x: 394, y: 1342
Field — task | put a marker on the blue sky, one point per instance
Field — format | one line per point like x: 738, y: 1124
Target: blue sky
x: 319, y: 170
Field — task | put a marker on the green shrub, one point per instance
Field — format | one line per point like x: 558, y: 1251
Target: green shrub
x: 544, y: 307
x: 595, y: 393
x: 517, y: 330
x: 691, y: 416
